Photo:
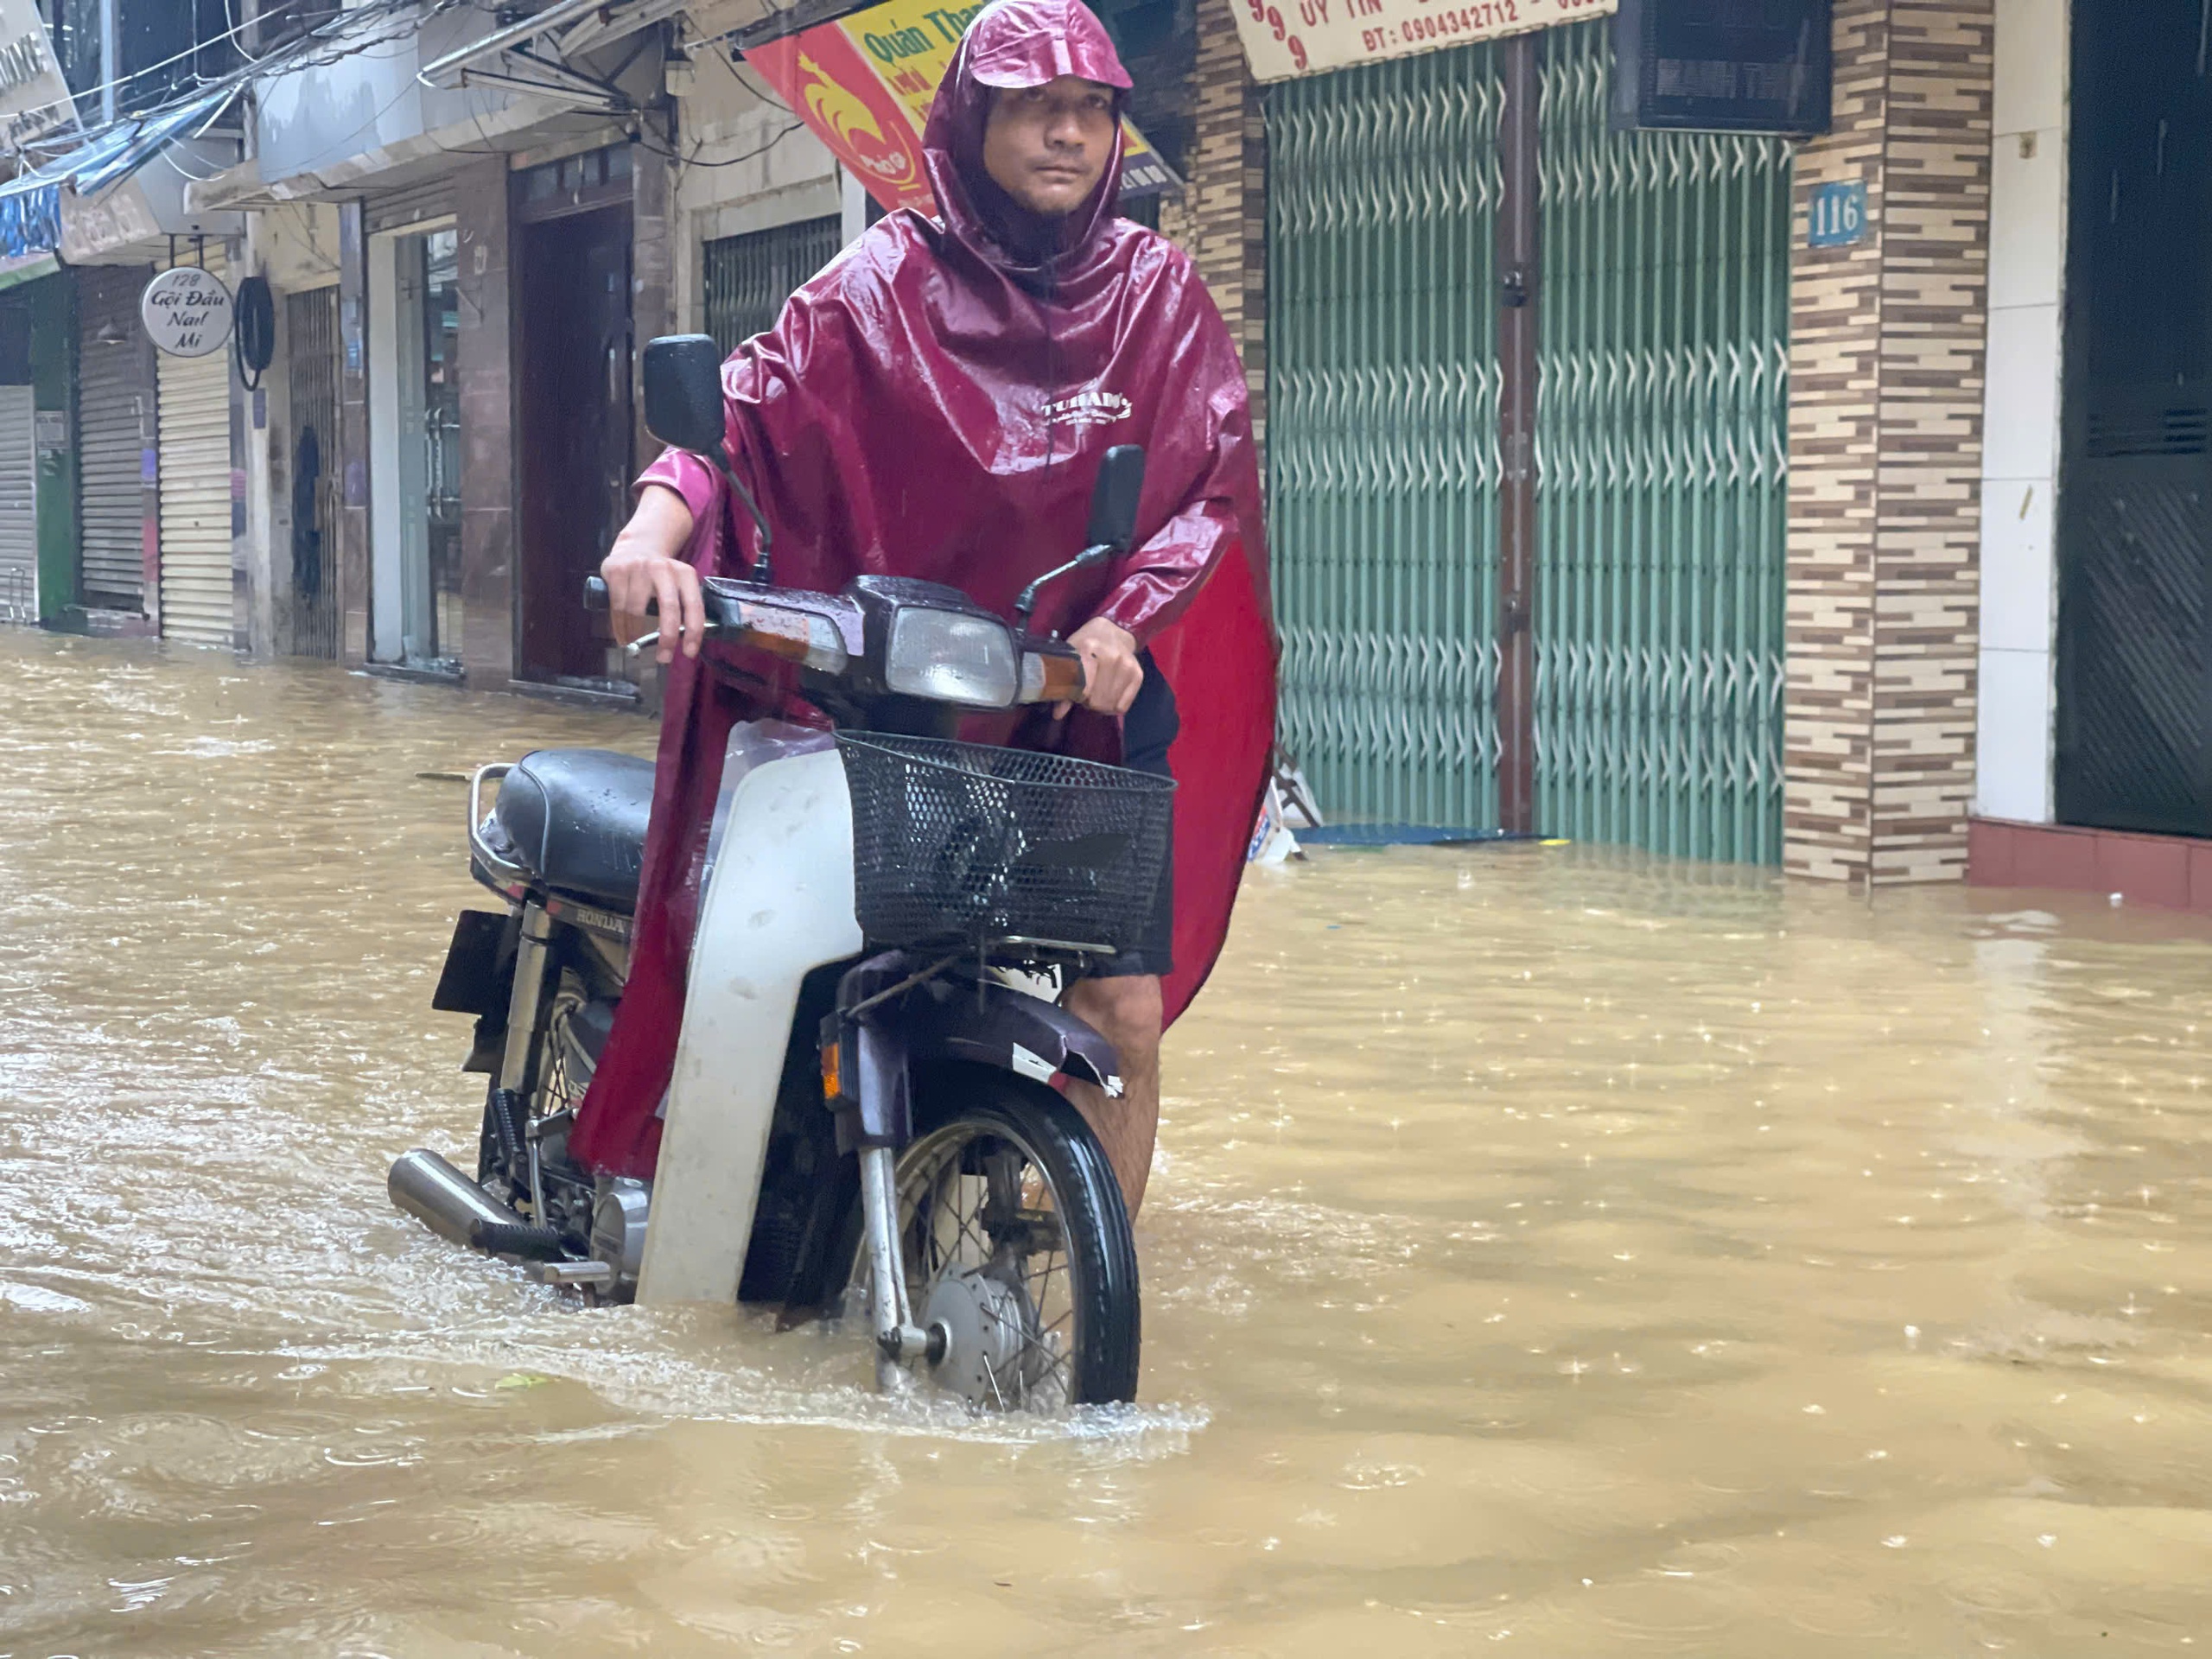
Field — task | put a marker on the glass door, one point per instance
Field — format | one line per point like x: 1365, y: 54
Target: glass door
x: 429, y: 450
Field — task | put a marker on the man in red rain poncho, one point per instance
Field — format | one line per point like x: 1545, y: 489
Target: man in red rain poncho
x: 935, y: 405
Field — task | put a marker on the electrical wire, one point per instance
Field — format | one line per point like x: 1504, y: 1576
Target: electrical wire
x: 692, y: 160
x: 739, y: 69
x: 309, y: 50
x: 170, y: 152
x: 91, y: 93
x: 745, y: 74
x: 305, y: 53
x: 344, y: 144
x: 349, y: 35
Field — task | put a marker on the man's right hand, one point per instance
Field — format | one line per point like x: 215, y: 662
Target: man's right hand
x: 646, y: 566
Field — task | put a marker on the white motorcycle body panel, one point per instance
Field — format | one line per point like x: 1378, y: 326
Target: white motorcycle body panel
x: 778, y: 904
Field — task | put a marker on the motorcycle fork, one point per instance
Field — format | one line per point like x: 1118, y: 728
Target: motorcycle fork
x: 890, y: 1317
x: 531, y: 952
x: 866, y: 1084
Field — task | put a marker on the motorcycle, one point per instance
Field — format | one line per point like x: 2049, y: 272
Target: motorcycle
x: 864, y: 1110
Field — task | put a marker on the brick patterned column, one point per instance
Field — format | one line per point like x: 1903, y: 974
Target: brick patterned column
x: 656, y: 226
x: 351, y: 462
x: 1886, y: 371
x: 654, y: 240
x: 484, y: 354
x: 1222, y: 219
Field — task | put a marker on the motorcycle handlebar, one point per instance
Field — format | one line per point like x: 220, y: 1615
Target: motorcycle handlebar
x: 1061, y: 668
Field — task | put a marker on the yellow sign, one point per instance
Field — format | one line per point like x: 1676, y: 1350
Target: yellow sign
x: 1284, y: 39
x: 864, y: 84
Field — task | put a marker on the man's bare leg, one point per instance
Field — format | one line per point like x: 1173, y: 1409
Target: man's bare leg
x: 1126, y: 1013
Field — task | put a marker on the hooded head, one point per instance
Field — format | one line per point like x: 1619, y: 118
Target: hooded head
x: 1012, y: 47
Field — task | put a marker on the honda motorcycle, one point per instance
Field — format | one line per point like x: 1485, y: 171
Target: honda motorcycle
x: 863, y: 1112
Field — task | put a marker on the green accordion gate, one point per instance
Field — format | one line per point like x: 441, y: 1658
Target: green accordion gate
x: 1663, y: 336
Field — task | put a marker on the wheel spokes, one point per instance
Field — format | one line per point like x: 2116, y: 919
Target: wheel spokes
x: 980, y: 1202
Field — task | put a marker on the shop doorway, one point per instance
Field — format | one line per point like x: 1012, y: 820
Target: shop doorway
x: 2134, y: 552
x: 575, y: 424
x: 415, y: 438
x: 311, y: 355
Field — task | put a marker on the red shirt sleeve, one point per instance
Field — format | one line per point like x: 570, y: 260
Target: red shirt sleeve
x: 699, y: 484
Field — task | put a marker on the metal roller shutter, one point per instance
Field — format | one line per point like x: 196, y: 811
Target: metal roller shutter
x: 195, y: 473
x: 1661, y: 446
x: 18, y: 508
x: 114, y: 427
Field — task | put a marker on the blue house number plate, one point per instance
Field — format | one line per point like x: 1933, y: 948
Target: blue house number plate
x: 1837, y: 216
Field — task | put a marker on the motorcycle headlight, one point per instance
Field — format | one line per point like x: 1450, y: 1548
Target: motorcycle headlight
x: 949, y: 657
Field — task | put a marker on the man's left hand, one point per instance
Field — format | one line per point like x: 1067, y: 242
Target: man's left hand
x: 1111, y: 673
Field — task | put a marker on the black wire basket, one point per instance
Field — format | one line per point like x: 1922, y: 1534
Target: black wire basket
x: 963, y: 843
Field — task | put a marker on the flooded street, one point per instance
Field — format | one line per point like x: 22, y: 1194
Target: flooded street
x: 1548, y: 1250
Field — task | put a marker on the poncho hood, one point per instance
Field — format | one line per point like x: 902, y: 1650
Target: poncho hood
x: 1010, y: 45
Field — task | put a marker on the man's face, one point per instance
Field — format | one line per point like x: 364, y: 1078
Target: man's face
x: 1047, y: 146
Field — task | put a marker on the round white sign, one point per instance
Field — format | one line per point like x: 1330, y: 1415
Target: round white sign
x: 187, y: 311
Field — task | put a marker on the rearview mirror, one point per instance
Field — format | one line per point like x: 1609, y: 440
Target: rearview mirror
x: 1114, y: 501
x: 683, y: 394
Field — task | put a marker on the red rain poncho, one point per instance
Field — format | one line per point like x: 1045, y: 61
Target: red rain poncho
x: 935, y: 404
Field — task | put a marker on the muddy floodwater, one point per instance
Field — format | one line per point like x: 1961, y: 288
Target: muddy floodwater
x: 1551, y: 1252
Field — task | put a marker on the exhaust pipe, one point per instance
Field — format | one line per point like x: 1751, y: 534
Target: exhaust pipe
x: 451, y: 1205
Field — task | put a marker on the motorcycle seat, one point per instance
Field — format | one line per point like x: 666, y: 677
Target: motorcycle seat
x: 577, y: 819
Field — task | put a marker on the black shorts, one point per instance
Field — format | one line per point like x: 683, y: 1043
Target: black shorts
x: 1147, y: 732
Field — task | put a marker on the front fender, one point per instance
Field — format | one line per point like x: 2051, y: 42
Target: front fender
x: 947, y: 1020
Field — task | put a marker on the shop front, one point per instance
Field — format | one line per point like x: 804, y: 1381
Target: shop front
x: 1652, y: 438
x: 19, y: 587
x: 117, y: 438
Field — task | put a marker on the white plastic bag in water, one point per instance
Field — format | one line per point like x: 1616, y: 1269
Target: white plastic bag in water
x: 1272, y: 841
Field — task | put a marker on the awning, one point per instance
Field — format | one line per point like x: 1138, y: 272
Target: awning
x: 14, y: 272
x: 535, y: 55
x: 30, y: 205
x: 31, y: 222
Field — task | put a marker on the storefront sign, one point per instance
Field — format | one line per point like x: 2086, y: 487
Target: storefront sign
x: 91, y: 229
x: 34, y: 98
x: 1722, y: 65
x: 1284, y: 39
x: 865, y: 83
x: 187, y: 311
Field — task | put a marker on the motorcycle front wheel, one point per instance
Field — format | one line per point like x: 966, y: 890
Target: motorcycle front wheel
x: 1016, y: 1246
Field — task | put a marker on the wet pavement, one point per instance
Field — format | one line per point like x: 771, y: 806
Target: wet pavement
x: 1552, y: 1252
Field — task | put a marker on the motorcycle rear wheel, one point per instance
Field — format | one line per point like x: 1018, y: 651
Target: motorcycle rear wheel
x: 1006, y: 1197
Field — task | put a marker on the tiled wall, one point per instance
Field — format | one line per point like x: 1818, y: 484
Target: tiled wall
x: 1221, y: 219
x: 350, y: 531
x: 1885, y: 426
x: 2027, y: 238
x: 484, y: 347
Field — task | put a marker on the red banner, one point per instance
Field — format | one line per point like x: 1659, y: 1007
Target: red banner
x: 864, y: 84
